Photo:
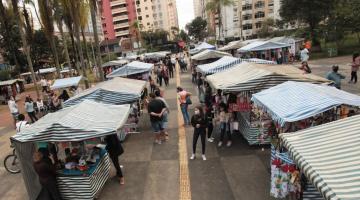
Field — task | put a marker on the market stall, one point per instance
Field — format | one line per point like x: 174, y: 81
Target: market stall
x: 66, y: 82
x: 267, y: 50
x: 11, y: 88
x: 209, y: 54
x: 157, y: 55
x: 295, y: 43
x: 231, y: 47
x: 201, y: 47
x: 294, y: 106
x: 135, y: 69
x: 245, y: 79
x: 82, y: 164
x: 328, y: 155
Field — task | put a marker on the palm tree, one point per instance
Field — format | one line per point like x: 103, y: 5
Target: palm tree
x: 93, y: 10
x: 215, y: 6
x: 58, y: 15
x: 26, y: 47
x: 136, y: 27
x: 47, y: 19
x: 31, y: 2
x: 74, y: 8
x: 84, y: 19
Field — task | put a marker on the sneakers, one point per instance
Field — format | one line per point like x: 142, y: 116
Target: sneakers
x: 211, y: 140
x: 122, y: 181
x: 157, y: 141
x: 228, y: 143
x: 192, y: 157
x: 220, y: 144
x: 203, y: 157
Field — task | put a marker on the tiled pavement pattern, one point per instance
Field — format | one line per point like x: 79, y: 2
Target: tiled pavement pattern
x: 152, y: 172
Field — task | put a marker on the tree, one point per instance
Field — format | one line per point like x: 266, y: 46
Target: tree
x: 39, y: 51
x: 197, y: 28
x: 47, y: 19
x: 267, y: 28
x: 93, y: 11
x: 154, y: 39
x: 184, y: 36
x: 26, y: 47
x: 215, y: 6
x: 310, y: 12
x: 136, y: 29
x: 84, y: 19
x: 175, y: 32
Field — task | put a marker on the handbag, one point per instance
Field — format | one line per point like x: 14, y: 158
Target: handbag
x: 188, y: 100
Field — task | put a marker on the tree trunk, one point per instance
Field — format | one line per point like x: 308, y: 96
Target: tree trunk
x: 76, y: 55
x: 55, y: 52
x: 26, y: 48
x: 96, y: 38
x: 92, y: 51
x: 219, y: 17
x: 78, y: 43
x: 67, y: 57
x: 88, y: 63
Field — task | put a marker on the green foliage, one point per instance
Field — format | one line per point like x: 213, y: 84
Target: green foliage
x: 4, y: 75
x: 40, y: 49
x: 197, y: 28
x: 109, y: 57
x: 267, y: 28
x: 155, y: 39
x: 184, y: 36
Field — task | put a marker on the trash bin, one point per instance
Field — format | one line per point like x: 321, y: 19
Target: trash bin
x: 332, y: 52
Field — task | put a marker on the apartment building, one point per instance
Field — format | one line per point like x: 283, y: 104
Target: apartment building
x: 241, y: 20
x: 157, y: 14
x: 117, y: 17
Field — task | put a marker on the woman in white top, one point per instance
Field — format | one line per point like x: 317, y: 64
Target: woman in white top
x: 13, y: 108
x: 21, y: 124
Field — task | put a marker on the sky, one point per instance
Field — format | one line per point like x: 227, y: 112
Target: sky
x: 185, y: 9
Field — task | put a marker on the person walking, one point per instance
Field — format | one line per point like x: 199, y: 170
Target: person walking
x: 193, y: 75
x: 13, y: 109
x: 335, y: 76
x: 198, y: 121
x: 171, y: 68
x: 224, y: 125
x: 156, y: 108
x: 159, y: 75
x: 355, y: 67
x: 29, y: 107
x: 115, y: 149
x: 152, y: 85
x: 208, y: 95
x: 165, y: 75
x: 44, y: 84
x: 46, y: 171
x: 305, y: 67
x: 165, y: 115
x: 304, y: 55
x: 185, y: 101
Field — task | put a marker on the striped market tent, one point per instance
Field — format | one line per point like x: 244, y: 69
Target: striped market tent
x: 201, y: 47
x: 132, y: 68
x: 115, y: 91
x: 295, y: 101
x: 84, y: 121
x: 329, y: 156
x: 249, y: 77
x: 209, y: 54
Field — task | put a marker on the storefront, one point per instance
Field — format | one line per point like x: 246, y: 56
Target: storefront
x: 135, y: 70
x: 295, y: 106
x: 73, y: 137
x: 245, y: 79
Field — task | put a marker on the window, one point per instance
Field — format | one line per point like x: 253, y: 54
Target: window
x: 138, y: 10
x: 258, y: 25
x: 247, y: 26
x: 146, y: 8
x: 247, y: 7
x: 259, y: 4
x: 259, y: 15
x: 247, y: 17
x: 147, y: 16
x: 140, y: 18
x: 148, y: 23
x: 155, y: 15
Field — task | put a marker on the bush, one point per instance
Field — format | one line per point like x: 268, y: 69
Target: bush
x: 4, y: 75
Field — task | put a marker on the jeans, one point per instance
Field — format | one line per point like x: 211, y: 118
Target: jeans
x: 199, y: 132
x: 354, y: 76
x: 225, y: 128
x: 32, y: 116
x: 115, y: 160
x: 210, y: 129
x: 160, y: 80
x: 171, y: 73
x: 185, y: 113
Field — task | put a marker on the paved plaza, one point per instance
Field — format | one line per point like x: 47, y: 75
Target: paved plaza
x: 155, y: 172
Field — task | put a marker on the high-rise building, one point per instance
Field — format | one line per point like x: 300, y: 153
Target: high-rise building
x: 157, y: 14
x: 242, y: 20
x: 117, y: 17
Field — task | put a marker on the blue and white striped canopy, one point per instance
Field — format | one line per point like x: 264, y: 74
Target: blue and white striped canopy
x: 209, y: 54
x: 219, y: 65
x: 134, y: 67
x: 294, y: 101
x: 115, y: 91
x: 66, y: 82
x: 329, y: 155
x: 83, y: 121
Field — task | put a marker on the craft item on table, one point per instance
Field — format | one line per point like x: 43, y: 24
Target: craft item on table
x: 70, y: 165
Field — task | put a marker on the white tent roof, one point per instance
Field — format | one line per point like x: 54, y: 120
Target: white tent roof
x: 250, y: 76
x: 47, y: 70
x: 285, y: 39
x: 10, y: 82
x: 66, y: 82
x: 134, y: 67
x: 159, y: 54
x: 115, y: 63
x: 219, y: 65
x: 201, y: 47
x: 76, y: 123
x: 262, y: 46
x: 237, y: 44
x: 209, y: 54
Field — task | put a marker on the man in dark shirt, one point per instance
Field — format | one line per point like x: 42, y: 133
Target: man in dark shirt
x: 156, y: 108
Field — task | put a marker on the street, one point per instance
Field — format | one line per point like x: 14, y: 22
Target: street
x: 164, y: 172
